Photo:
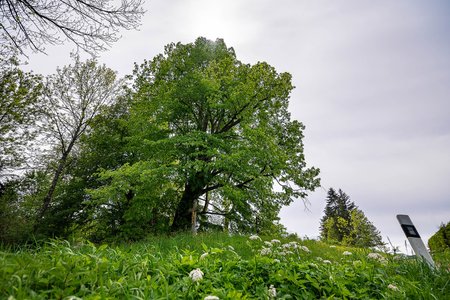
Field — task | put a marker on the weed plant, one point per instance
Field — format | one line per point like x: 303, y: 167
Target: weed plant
x: 215, y: 266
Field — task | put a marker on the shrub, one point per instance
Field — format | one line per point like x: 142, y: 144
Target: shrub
x: 440, y: 241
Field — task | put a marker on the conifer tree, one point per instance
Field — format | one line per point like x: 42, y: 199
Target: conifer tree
x: 345, y: 223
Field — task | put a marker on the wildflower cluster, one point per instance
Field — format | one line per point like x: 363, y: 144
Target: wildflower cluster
x: 196, y: 275
x: 254, y: 238
x: 272, y: 291
x: 393, y: 287
x: 378, y: 257
x: 277, y: 250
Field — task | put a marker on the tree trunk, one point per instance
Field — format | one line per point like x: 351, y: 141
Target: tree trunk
x: 48, y: 197
x: 62, y: 163
x: 186, y: 209
x: 183, y: 215
x: 59, y: 170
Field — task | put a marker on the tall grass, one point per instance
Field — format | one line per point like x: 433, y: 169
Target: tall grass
x: 233, y: 267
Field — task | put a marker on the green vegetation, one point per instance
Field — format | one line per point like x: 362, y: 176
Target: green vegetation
x: 346, y: 224
x: 193, y: 140
x: 20, y: 96
x: 210, y: 135
x: 440, y: 241
x: 228, y: 267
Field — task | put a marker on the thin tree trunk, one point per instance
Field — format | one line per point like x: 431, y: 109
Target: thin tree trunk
x: 62, y: 163
x: 48, y: 197
x: 205, y: 207
x: 194, y: 218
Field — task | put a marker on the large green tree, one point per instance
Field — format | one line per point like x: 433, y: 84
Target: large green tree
x: 211, y: 136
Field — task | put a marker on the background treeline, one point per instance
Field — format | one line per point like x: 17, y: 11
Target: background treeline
x: 192, y: 140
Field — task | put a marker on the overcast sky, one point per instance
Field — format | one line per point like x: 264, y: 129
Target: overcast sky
x: 372, y: 88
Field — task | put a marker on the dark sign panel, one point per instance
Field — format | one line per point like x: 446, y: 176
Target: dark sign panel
x: 410, y: 231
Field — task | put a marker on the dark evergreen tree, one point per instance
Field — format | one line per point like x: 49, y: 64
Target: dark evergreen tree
x: 335, y: 224
x: 345, y: 223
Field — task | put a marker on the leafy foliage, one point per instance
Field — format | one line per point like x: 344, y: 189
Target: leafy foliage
x: 76, y: 94
x: 196, y: 136
x: 20, y: 200
x: 440, y: 241
x: 211, y: 135
x: 20, y: 110
x: 345, y: 223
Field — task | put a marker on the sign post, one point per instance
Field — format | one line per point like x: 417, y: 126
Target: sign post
x: 414, y: 238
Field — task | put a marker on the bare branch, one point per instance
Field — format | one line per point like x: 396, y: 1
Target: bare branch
x: 92, y: 25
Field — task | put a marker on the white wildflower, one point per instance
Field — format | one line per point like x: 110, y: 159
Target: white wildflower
x: 393, y: 287
x: 254, y: 237
x: 313, y: 265
x: 204, y: 255
x: 268, y: 244
x: 378, y: 257
x: 275, y: 241
x: 289, y: 252
x: 229, y: 248
x: 293, y: 245
x: 319, y: 258
x: 196, y: 274
x: 347, y: 253
x: 304, y: 248
x: 332, y: 246
x: 272, y: 291
x: 276, y: 261
x: 282, y: 253
x: 326, y: 261
x: 265, y: 251
x: 211, y: 298
x: 290, y: 246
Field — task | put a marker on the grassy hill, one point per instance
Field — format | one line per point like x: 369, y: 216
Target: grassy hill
x: 216, y: 266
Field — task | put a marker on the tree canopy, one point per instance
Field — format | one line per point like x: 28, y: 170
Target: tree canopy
x: 211, y: 136
x: 194, y: 139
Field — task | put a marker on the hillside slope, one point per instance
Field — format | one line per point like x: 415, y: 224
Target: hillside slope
x: 215, y: 266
